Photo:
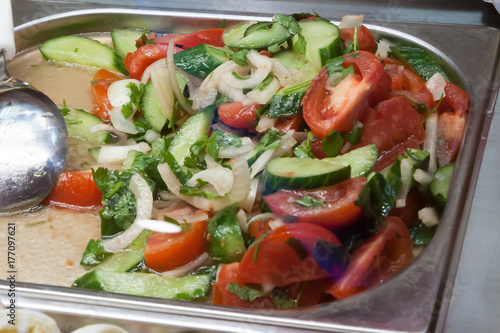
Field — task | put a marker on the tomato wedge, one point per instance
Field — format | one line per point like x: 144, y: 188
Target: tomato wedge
x: 274, y: 261
x: 284, y: 124
x: 366, y: 41
x: 136, y: 62
x: 394, y: 125
x: 325, y: 111
x: 236, y: 115
x: 338, y: 209
x: 99, y: 86
x: 258, y: 228
x: 455, y: 100
x: 75, y: 190
x: 165, y: 252
x: 221, y: 296
x: 209, y: 36
x: 451, y: 127
x: 377, y: 260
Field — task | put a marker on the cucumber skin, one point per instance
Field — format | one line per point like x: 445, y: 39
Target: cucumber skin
x: 361, y: 160
x: 286, y: 105
x: 224, y: 239
x: 151, y: 108
x: 200, y: 61
x: 78, y: 122
x: 62, y: 49
x: 440, y: 185
x: 146, y: 284
x: 273, y: 182
x: 124, y: 40
x: 423, y: 63
x: 261, y: 38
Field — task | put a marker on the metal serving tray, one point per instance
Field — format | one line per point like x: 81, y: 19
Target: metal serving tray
x: 410, y: 302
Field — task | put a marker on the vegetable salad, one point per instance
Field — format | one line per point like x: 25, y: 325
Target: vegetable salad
x: 267, y: 165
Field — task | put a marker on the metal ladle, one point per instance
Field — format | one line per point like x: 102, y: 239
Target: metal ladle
x: 33, y: 135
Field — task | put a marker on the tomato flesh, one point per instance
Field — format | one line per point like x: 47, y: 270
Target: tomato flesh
x: 99, y: 86
x: 236, y: 115
x: 165, y: 251
x: 75, y: 190
x: 276, y: 263
x: 337, y: 211
x: 284, y: 124
x: 387, y: 253
x: 136, y: 62
x: 366, y: 41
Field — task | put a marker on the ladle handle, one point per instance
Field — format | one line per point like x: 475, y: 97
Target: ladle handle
x: 7, y: 30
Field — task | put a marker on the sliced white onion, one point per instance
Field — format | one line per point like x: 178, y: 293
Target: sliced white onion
x: 163, y: 88
x: 151, y: 135
x: 108, y: 128
x: 436, y: 86
x: 166, y: 195
x: 119, y: 93
x: 173, y: 80
x: 117, y: 154
x: 242, y: 220
x: 286, y: 144
x: 250, y: 200
x: 405, y: 167
x: 383, y: 48
x: 196, y: 217
x: 285, y: 75
x: 422, y: 177
x: 144, y: 207
x: 197, y: 263
x: 247, y: 146
x: 220, y: 178
x: 265, y: 123
x: 146, y: 75
x: 429, y: 216
x: 276, y: 223
x: 99, y: 328
x: 431, y: 129
x: 120, y: 123
x: 345, y: 148
x: 219, y: 268
x: 262, y: 66
x: 234, y: 94
x: 262, y: 96
x: 239, y: 191
x: 158, y: 226
x: 351, y: 21
x: 211, y: 163
x: 261, y: 162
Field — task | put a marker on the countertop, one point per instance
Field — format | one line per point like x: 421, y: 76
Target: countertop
x: 475, y: 294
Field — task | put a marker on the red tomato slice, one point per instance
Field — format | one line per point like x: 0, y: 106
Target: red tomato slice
x: 221, y: 296
x: 325, y: 111
x: 236, y: 115
x: 75, y: 190
x: 394, y: 125
x: 99, y: 86
x: 338, y: 210
x: 258, y: 228
x: 317, y: 148
x: 284, y: 124
x: 209, y: 36
x: 165, y: 252
x: 377, y: 260
x: 136, y: 62
x: 276, y: 263
x: 451, y: 127
x: 455, y: 100
x: 366, y: 41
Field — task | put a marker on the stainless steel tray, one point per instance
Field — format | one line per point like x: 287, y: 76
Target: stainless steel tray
x: 410, y: 302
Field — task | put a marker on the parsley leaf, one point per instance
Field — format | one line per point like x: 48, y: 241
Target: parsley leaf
x: 243, y: 292
x: 332, y: 143
x: 136, y: 93
x: 330, y: 257
x: 185, y: 226
x: 308, y: 201
x: 240, y: 57
x: 354, y: 136
x: 298, y: 247
x: 194, y: 191
x: 94, y: 253
x: 282, y: 299
x: 304, y: 149
x: 266, y: 81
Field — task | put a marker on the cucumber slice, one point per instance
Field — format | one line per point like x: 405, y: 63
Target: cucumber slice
x: 290, y: 59
x: 191, y: 131
x: 441, y: 183
x: 82, y: 51
x: 124, y: 40
x: 283, y: 105
x: 264, y: 35
x: 151, y: 108
x: 258, y: 26
x: 146, y: 284
x: 79, y: 122
x: 200, y: 60
x: 124, y: 261
x: 420, y: 59
x: 302, y: 173
x: 361, y: 160
x: 235, y: 33
x: 224, y: 239
x: 323, y: 41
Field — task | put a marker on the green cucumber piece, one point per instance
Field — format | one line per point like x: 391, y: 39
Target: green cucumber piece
x: 151, y: 108
x: 235, y: 33
x: 323, y: 41
x: 420, y: 59
x: 191, y: 131
x: 258, y: 26
x: 440, y: 185
x: 124, y: 261
x: 124, y: 40
x: 290, y: 59
x: 79, y: 122
x: 200, y: 60
x: 284, y: 105
x: 224, y: 239
x: 361, y: 160
x: 302, y: 173
x: 146, y: 284
x: 82, y: 51
x: 262, y: 37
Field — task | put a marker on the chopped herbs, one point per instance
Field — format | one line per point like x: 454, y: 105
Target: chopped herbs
x: 354, y: 136
x: 194, y: 191
x: 185, y: 226
x: 94, y: 253
x: 330, y: 257
x: 304, y: 149
x: 298, y: 247
x: 332, y: 143
x: 136, y: 93
x: 240, y: 57
x: 308, y: 201
x: 243, y: 292
x: 421, y: 234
